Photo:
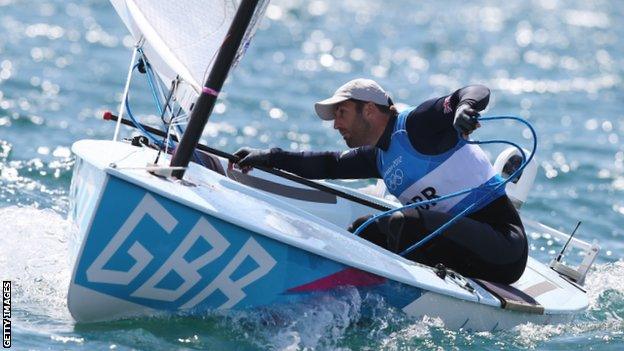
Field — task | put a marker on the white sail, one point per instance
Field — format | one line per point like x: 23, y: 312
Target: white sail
x: 182, y: 37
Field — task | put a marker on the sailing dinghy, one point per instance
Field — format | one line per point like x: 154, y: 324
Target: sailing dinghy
x: 154, y: 233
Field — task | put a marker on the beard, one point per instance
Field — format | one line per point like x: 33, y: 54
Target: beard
x: 358, y: 135
x: 349, y: 142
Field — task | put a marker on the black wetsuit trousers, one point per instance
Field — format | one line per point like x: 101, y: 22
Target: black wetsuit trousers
x: 489, y: 244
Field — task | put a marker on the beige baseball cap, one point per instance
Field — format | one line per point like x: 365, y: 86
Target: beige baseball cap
x: 359, y: 89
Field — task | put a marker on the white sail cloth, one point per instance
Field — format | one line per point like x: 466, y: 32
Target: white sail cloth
x: 182, y: 37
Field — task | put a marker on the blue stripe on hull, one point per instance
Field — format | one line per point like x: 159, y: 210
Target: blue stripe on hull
x: 152, y: 251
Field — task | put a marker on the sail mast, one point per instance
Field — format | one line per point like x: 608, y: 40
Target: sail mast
x: 208, y: 97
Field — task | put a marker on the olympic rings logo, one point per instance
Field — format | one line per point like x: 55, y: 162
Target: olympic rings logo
x: 395, y: 179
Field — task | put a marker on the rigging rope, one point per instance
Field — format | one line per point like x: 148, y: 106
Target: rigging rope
x: 157, y: 91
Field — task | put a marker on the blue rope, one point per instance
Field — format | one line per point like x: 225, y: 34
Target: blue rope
x: 461, y: 214
x: 139, y: 127
x: 153, y: 84
x: 150, y: 82
x: 135, y: 121
x: 157, y: 88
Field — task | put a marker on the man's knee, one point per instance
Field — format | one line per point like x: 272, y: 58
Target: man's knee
x: 392, y: 226
x: 358, y: 222
x: 395, y: 223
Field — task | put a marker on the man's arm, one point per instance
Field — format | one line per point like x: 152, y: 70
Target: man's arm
x: 430, y: 125
x: 352, y: 164
x: 436, y: 115
x: 476, y: 96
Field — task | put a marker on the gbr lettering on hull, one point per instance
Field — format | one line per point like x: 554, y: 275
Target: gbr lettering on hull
x: 188, y: 271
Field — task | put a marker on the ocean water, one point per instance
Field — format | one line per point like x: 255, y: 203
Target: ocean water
x: 558, y: 63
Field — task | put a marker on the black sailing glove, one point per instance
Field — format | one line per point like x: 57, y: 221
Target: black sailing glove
x: 248, y: 158
x: 466, y: 120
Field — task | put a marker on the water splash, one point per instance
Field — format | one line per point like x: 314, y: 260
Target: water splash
x: 34, y: 258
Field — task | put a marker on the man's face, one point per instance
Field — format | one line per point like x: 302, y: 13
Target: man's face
x: 351, y: 124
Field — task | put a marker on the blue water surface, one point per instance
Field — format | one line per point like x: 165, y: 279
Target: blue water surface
x: 557, y: 63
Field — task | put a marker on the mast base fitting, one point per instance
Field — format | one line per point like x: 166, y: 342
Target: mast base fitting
x: 161, y: 171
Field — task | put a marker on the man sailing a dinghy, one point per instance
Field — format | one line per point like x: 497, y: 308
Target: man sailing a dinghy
x: 421, y: 154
